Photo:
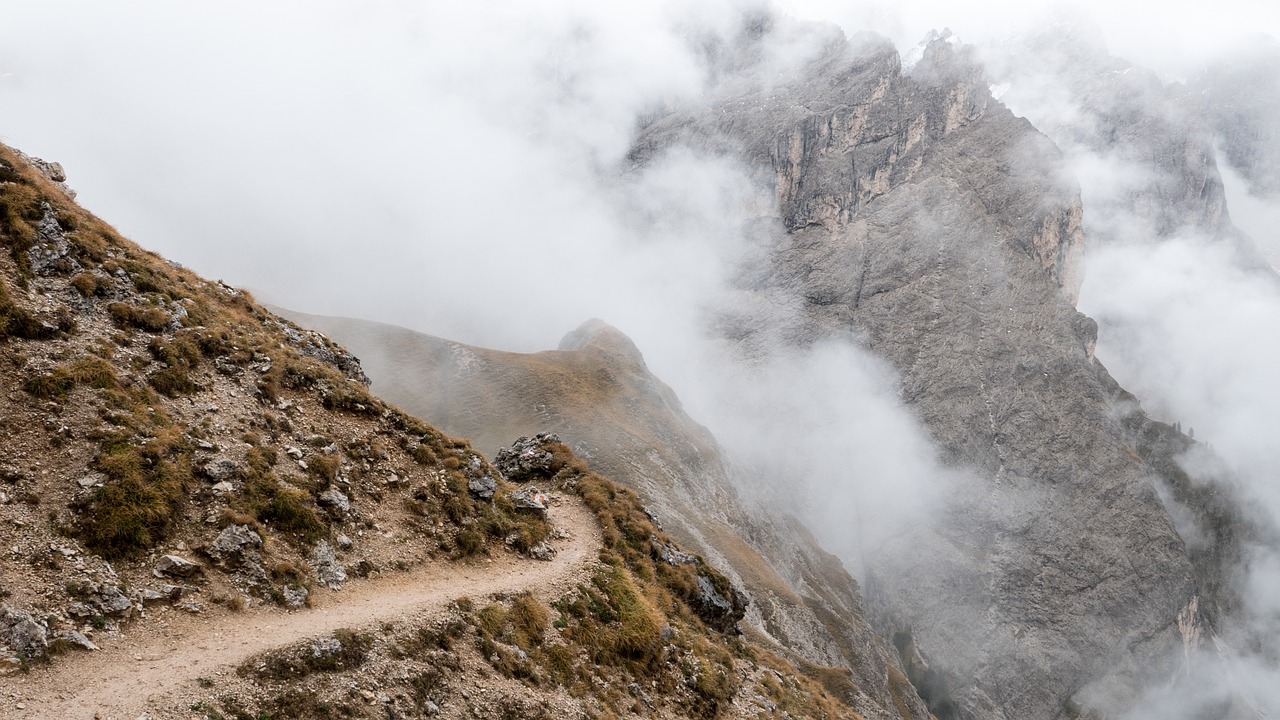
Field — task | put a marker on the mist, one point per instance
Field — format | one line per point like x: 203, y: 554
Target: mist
x: 462, y: 170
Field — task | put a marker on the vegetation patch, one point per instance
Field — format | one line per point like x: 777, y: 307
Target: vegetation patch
x: 142, y: 499
x: 345, y: 650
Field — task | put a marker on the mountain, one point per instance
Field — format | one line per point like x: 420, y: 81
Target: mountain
x: 596, y: 393
x: 184, y: 474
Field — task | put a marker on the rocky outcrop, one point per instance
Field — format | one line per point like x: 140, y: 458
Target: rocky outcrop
x: 1054, y: 566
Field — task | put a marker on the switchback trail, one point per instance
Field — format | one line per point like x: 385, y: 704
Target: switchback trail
x: 146, y: 663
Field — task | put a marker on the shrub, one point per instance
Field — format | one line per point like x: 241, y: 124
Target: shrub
x: 303, y: 659
x: 50, y: 385
x: 151, y: 318
x: 95, y: 372
x: 88, y: 284
x: 285, y: 508
x: 139, y: 503
x: 172, y: 382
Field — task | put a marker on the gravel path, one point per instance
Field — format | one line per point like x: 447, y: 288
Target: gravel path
x: 152, y: 660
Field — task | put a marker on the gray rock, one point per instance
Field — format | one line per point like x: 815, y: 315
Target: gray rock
x: 89, y: 481
x: 480, y: 483
x: 325, y: 647
x: 76, y: 639
x: 175, y: 566
x: 223, y: 487
x: 344, y: 541
x: 222, y: 468
x: 23, y: 633
x: 110, y: 600
x: 233, y: 541
x: 147, y: 596
x: 530, y: 500
x: 335, y: 499
x: 51, y: 251
x: 325, y: 566
x: 542, y: 551
x: 670, y: 554
x: 527, y: 459
x: 190, y: 605
x: 294, y: 596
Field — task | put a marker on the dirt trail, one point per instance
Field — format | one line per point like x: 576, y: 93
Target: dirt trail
x: 148, y: 662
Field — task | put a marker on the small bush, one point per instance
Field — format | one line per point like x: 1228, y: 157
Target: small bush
x: 285, y: 508
x: 138, y: 505
x: 150, y: 318
x: 88, y: 284
x: 529, y: 620
x: 303, y: 659
x: 95, y: 372
x: 54, y: 384
x: 172, y: 382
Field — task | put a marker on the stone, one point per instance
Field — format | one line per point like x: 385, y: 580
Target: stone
x: 325, y: 647
x: 175, y: 566
x: 334, y: 498
x: 23, y: 633
x: 51, y: 252
x: 147, y: 596
x: 294, y: 596
x: 527, y: 459
x: 482, y: 487
x: 190, y: 605
x: 76, y: 639
x: 530, y: 500
x: 344, y: 541
x: 542, y: 551
x: 223, y: 487
x: 670, y: 554
x: 93, y: 480
x: 222, y: 469
x: 325, y: 566
x: 232, y: 543
x: 111, y: 600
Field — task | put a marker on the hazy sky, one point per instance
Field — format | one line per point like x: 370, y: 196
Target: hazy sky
x: 431, y: 164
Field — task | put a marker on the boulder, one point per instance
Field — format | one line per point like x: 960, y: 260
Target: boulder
x: 334, y: 499
x: 480, y: 484
x: 530, y: 500
x: 110, y: 600
x: 22, y: 633
x: 221, y: 468
x: 719, y: 607
x: 75, y: 639
x: 232, y: 542
x: 175, y: 566
x: 324, y: 564
x: 527, y: 459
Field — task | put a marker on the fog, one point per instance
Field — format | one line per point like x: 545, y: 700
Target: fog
x: 461, y: 170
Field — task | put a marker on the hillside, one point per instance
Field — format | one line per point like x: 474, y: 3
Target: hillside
x: 597, y: 394
x: 182, y: 467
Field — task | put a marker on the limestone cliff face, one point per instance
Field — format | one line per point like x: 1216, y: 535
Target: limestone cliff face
x: 917, y: 214
x: 598, y: 395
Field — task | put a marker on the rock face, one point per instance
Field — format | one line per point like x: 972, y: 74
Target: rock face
x: 919, y: 215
